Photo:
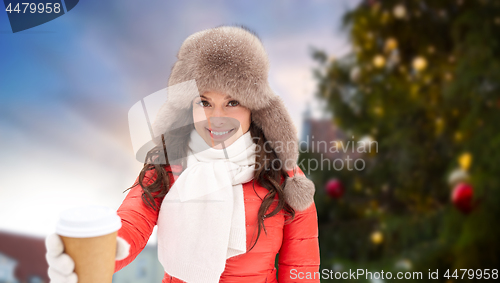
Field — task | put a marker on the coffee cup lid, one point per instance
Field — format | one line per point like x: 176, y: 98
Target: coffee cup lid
x: 88, y: 221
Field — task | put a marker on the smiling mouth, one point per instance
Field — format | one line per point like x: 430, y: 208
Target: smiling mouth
x: 219, y: 134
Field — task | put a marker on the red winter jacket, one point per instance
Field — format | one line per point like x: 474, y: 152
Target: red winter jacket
x: 296, y: 242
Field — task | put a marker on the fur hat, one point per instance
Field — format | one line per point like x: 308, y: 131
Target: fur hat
x: 232, y: 60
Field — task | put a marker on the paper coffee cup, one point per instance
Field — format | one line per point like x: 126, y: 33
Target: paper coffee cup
x: 89, y: 237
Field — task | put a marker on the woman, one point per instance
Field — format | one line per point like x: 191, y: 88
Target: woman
x: 222, y: 183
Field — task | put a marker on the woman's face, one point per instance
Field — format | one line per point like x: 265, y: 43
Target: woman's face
x: 220, y: 119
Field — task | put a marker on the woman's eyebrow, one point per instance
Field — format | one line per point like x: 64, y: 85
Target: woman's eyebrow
x: 227, y: 97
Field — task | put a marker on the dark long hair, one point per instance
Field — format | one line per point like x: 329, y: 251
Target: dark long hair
x: 268, y: 173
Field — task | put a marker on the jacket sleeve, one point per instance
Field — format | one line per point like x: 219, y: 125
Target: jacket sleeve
x: 299, y: 256
x: 138, y: 219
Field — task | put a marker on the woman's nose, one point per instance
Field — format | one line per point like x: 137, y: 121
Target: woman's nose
x: 217, y: 122
x: 217, y: 112
x: 216, y: 116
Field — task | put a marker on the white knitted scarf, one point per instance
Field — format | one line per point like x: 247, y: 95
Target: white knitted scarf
x: 202, y: 218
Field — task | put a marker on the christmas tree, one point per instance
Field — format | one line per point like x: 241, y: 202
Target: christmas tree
x: 419, y: 98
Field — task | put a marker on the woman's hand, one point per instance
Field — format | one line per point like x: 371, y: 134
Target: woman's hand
x: 62, y: 266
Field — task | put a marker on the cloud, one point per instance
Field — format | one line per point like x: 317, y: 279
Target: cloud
x: 54, y: 165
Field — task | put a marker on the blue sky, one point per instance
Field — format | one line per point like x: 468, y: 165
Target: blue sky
x: 66, y: 87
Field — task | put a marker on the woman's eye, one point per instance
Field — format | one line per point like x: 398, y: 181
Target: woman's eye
x: 233, y: 103
x: 203, y: 103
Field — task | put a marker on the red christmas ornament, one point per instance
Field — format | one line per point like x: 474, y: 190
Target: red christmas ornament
x: 334, y: 188
x: 462, y: 197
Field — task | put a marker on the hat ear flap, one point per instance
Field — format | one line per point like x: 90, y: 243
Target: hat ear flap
x: 279, y: 130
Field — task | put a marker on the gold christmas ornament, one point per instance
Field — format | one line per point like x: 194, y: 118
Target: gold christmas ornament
x: 448, y: 76
x: 385, y: 17
x: 465, y: 160
x: 439, y: 125
x: 357, y: 185
x: 390, y: 44
x: 377, y: 237
x: 419, y: 63
x: 379, y: 111
x: 399, y: 11
x: 379, y: 61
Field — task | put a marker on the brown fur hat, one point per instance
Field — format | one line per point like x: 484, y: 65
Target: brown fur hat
x: 232, y: 60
